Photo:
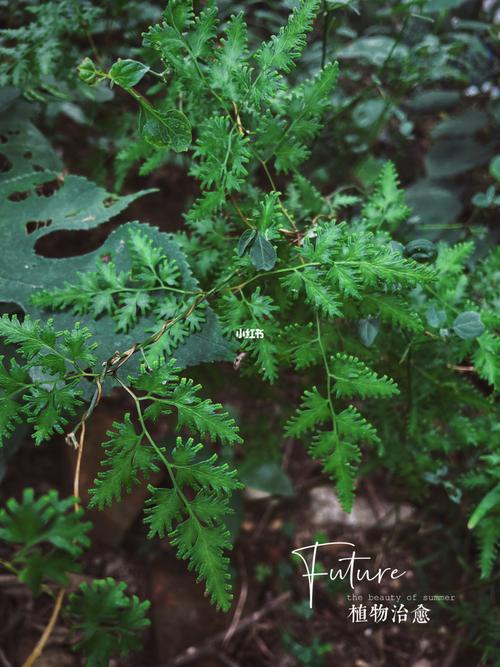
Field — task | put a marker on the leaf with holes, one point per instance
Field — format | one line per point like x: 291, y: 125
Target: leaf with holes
x: 76, y: 204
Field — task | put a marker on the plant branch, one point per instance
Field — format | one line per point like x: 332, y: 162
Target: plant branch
x: 37, y: 651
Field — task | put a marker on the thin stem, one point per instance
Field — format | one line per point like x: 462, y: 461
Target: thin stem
x: 88, y: 33
x: 240, y: 213
x: 329, y: 378
x: 37, y: 651
x: 8, y: 566
x: 157, y: 450
x: 264, y: 166
x: 76, y: 480
x: 236, y: 288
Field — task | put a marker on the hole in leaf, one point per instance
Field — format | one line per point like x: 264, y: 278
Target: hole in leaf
x: 19, y: 196
x: 35, y: 225
x: 5, y: 163
x: 38, y: 167
x: 65, y: 243
x: 3, y: 139
x: 14, y: 133
x: 47, y: 189
x: 109, y: 201
x: 28, y: 155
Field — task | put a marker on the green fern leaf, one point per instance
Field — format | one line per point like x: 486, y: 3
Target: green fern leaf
x: 314, y: 411
x: 127, y: 455
x: 340, y: 459
x: 351, y: 425
x: 280, y: 52
x: 386, y: 205
x: 353, y: 378
x: 393, y: 309
x: 50, y: 536
x: 107, y: 620
x: 164, y: 507
x: 202, y: 474
x: 203, y: 547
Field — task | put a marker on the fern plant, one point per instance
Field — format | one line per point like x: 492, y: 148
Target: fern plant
x: 48, y: 536
x: 253, y: 129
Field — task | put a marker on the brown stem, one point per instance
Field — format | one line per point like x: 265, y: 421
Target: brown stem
x: 37, y: 651
x: 76, y: 480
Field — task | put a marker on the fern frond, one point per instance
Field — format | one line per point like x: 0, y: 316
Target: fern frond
x: 108, y: 621
x: 313, y: 411
x: 167, y: 392
x: 203, y: 548
x: 196, y: 527
x: 353, y: 378
x: 127, y: 455
x: 386, y: 205
x: 280, y: 52
x: 393, y: 309
x: 221, y: 154
x: 49, y: 534
x: 340, y: 459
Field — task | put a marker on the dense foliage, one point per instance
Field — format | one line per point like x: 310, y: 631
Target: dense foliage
x: 381, y: 304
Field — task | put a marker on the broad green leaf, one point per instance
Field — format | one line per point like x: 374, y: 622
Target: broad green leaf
x: 245, y: 241
x: 435, y: 316
x: 450, y: 157
x: 366, y: 113
x: 468, y: 325
x: 368, y: 329
x: 88, y: 71
x: 433, y: 206
x: 430, y: 101
x: 443, y: 5
x: 263, y: 254
x: 77, y: 204
x: 374, y: 50
x: 486, y: 199
x: 466, y: 123
x: 127, y: 73
x: 169, y: 129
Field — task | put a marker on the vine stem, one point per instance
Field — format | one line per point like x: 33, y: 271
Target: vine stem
x: 76, y: 480
x: 37, y: 651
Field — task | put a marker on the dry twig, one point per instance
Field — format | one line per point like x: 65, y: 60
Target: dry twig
x: 37, y: 651
x: 209, y: 647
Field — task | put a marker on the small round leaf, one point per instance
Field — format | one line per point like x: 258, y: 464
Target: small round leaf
x: 246, y: 240
x: 127, y: 73
x: 468, y: 325
x: 435, y: 317
x: 262, y: 254
x: 421, y: 250
x: 495, y: 167
x: 170, y: 129
x: 368, y: 329
x: 88, y: 72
